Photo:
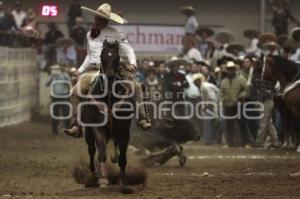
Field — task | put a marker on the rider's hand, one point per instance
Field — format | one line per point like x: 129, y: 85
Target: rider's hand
x: 131, y: 68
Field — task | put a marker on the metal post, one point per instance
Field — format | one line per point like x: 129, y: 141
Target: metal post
x: 262, y: 15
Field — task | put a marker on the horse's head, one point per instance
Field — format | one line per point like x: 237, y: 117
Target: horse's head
x: 110, y: 58
x: 264, y: 69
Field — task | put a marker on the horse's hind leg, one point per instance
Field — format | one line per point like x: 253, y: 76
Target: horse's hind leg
x: 101, y: 142
x: 92, y: 180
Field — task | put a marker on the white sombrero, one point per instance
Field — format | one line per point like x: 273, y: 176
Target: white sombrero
x: 198, y: 76
x: 105, y: 11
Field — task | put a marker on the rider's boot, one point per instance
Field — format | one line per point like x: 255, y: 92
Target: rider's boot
x: 75, y: 131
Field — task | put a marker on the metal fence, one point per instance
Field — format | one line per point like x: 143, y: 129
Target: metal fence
x: 18, y: 84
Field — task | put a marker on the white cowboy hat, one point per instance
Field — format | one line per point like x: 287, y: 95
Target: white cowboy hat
x: 104, y: 11
x: 198, y: 76
x: 188, y: 9
x: 176, y: 61
x: 231, y: 64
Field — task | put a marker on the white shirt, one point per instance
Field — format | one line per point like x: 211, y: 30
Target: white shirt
x: 253, y: 48
x: 295, y: 57
x: 193, y: 55
x: 191, y: 25
x: 19, y: 17
x: 209, y: 92
x: 192, y: 91
x: 94, y: 47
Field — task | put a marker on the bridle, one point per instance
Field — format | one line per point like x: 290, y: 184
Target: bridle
x: 266, y: 85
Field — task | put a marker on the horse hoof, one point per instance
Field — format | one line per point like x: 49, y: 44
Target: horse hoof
x: 298, y: 149
x: 92, y: 181
x: 126, y: 190
x: 285, y: 145
x: 103, y: 183
x: 114, y: 158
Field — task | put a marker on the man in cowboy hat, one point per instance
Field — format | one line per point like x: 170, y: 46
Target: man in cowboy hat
x: 235, y: 50
x: 65, y: 52
x: 204, y: 33
x: 281, y: 17
x: 209, y: 95
x: 191, y: 23
x: 91, y: 65
x: 224, y: 38
x: 190, y: 50
x: 268, y: 42
x: 253, y: 36
x: 294, y: 54
x: 233, y: 92
x: 60, y: 83
x: 271, y: 48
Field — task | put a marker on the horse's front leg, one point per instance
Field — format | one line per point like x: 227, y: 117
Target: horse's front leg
x: 92, y: 180
x: 123, y: 144
x: 101, y: 142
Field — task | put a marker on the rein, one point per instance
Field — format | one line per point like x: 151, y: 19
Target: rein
x: 294, y: 83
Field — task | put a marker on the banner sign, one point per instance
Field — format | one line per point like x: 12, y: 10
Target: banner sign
x: 156, y: 39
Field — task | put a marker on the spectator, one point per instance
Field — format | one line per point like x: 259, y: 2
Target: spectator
x: 210, y: 96
x: 191, y: 23
x: 19, y: 15
x: 252, y: 36
x: 281, y: 17
x: 53, y: 34
x: 218, y: 76
x: 7, y: 23
x: 51, y: 37
x: 266, y: 125
x: 74, y: 12
x: 236, y: 51
x: 30, y: 26
x: 2, y: 12
x: 161, y: 72
x: 224, y: 38
x: 205, y: 34
x: 65, y: 52
x: 192, y: 95
x: 78, y: 33
x: 271, y: 48
x: 294, y: 54
x: 60, y: 83
x: 176, y: 83
x: 233, y: 92
x: 205, y: 70
x: 155, y: 91
x: 190, y: 50
x: 247, y: 72
x: 211, y: 53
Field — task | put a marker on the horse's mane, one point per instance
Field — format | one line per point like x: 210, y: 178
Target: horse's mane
x: 287, y: 67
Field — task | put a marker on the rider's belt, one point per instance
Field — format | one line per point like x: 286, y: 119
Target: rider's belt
x: 95, y: 65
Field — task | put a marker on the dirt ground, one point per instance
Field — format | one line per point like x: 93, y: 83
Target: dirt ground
x: 36, y: 164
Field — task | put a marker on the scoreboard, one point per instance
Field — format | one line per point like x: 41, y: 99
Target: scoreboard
x: 49, y: 10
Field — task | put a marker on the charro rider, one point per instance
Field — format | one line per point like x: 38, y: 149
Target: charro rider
x: 91, y: 65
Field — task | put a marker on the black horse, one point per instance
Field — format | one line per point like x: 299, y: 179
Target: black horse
x: 105, y: 107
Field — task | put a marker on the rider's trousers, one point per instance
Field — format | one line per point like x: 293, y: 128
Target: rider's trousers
x: 81, y: 89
